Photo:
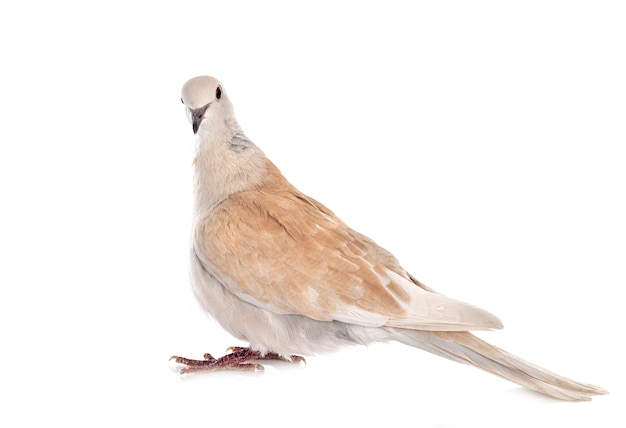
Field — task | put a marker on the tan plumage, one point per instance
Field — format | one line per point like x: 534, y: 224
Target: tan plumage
x: 281, y: 271
x: 284, y: 252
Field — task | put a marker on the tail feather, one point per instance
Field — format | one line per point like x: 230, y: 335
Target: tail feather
x: 466, y: 348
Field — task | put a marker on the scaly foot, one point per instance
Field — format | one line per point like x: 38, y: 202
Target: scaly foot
x: 237, y: 359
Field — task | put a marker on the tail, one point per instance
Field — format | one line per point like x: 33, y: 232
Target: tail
x: 466, y: 348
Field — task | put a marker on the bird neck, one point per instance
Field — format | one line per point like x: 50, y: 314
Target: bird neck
x: 225, y: 165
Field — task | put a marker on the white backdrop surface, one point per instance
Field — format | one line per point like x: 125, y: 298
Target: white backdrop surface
x: 481, y: 142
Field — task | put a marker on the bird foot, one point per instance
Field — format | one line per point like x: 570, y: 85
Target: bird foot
x: 237, y: 358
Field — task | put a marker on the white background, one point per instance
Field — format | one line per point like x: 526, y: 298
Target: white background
x: 481, y: 142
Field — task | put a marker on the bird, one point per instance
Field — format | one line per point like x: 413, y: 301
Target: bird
x: 280, y: 271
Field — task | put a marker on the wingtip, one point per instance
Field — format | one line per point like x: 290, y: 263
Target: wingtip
x: 495, y: 323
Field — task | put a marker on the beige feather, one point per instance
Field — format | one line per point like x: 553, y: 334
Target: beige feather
x: 466, y: 348
x: 278, y: 250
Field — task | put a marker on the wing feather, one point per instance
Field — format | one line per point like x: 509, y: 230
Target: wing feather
x: 289, y: 254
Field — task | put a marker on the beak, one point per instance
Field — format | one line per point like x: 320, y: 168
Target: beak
x: 195, y: 122
x: 196, y: 117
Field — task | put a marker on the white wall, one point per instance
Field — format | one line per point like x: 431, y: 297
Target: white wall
x: 481, y: 142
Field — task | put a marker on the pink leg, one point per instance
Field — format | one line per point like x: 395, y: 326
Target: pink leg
x: 237, y: 359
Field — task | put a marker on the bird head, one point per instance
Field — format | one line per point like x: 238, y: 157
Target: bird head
x: 206, y: 102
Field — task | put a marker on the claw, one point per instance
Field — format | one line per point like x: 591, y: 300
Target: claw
x: 298, y: 359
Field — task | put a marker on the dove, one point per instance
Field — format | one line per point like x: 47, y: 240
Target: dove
x: 280, y: 271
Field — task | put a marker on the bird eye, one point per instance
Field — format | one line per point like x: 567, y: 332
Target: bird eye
x: 181, y: 100
x: 218, y: 93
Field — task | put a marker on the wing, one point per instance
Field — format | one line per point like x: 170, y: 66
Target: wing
x: 377, y: 252
x: 288, y: 254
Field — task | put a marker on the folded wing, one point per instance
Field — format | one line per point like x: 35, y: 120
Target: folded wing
x: 288, y: 254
